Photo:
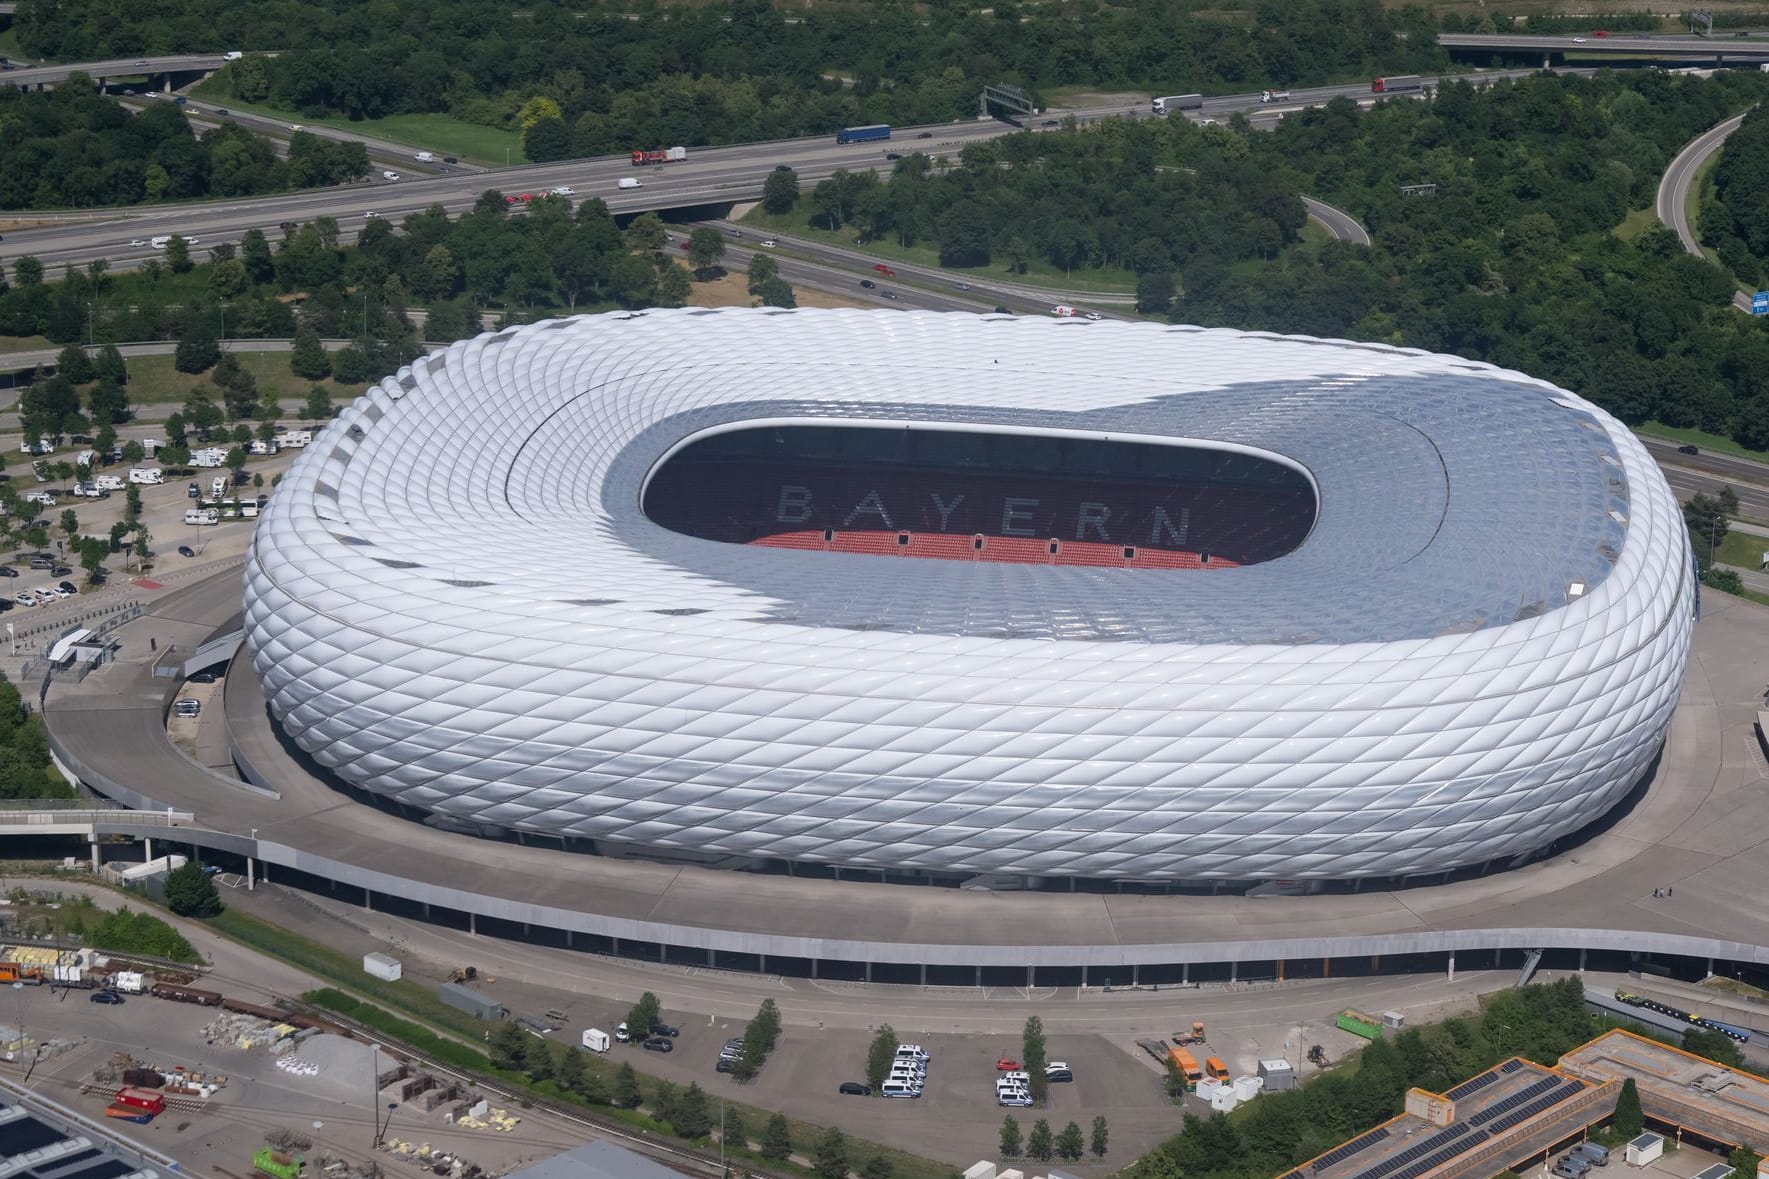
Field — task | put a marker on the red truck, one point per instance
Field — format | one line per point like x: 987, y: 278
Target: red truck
x: 663, y: 155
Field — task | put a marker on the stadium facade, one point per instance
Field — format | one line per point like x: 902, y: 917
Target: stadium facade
x: 957, y: 595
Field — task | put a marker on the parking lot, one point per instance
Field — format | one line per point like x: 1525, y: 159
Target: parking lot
x: 955, y: 1120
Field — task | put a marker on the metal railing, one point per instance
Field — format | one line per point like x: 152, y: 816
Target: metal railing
x: 64, y: 815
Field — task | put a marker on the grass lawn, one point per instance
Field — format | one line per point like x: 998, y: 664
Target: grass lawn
x: 25, y: 343
x: 153, y: 380
x: 441, y: 134
x: 1039, y: 273
x: 1636, y: 223
x: 1718, y: 443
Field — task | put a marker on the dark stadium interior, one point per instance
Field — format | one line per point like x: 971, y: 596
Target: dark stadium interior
x: 983, y: 495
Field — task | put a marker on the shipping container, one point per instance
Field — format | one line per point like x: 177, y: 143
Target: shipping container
x: 1359, y: 1024
x: 472, y: 1002
x: 129, y: 1113
x: 148, y: 1099
x: 383, y: 967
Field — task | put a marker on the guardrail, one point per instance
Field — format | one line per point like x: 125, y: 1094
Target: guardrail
x: 64, y: 815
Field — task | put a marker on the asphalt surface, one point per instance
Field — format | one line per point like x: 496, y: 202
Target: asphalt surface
x: 1630, y: 45
x: 1675, y: 186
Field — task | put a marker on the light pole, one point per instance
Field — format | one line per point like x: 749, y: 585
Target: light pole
x: 18, y: 1014
x: 1713, y: 531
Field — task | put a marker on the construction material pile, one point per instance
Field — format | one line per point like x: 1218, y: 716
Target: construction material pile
x: 298, y: 1066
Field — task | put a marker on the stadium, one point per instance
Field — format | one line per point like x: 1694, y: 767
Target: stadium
x: 950, y: 596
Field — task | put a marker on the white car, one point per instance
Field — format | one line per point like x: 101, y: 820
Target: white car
x: 47, y: 597
x: 47, y: 499
x: 769, y: 243
x: 59, y: 592
x: 26, y: 598
x: 1578, y: 40
x: 232, y: 55
x: 296, y: 127
x: 1092, y: 315
x: 191, y: 241
x: 565, y: 190
x: 137, y: 242
x: 390, y: 176
x: 370, y: 215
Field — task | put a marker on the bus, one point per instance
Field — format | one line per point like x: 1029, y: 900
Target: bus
x: 869, y: 134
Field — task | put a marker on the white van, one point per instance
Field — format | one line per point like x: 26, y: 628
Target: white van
x: 594, y: 1039
x: 900, y: 1089
x: 259, y: 446
x: 201, y: 516
x: 628, y: 182
x: 217, y: 487
x: 294, y: 438
x: 232, y: 55
x: 146, y: 475
x: 159, y: 243
x: 108, y: 483
x: 429, y: 157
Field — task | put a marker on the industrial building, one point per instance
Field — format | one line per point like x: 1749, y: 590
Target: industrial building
x: 1689, y: 1095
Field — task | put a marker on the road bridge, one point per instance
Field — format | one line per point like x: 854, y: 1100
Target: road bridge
x: 1636, y: 48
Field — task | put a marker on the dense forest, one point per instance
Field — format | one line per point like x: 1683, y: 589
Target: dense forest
x: 1736, y: 222
x: 1079, y: 201
x: 74, y: 147
x: 25, y: 771
x: 624, y: 76
x: 1514, y: 258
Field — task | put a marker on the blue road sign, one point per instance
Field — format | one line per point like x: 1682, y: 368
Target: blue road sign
x: 1760, y: 303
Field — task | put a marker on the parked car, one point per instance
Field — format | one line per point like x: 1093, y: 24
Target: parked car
x: 204, y: 677
x: 110, y: 997
x: 66, y: 589
x: 727, y: 1064
x: 855, y: 1089
x: 61, y: 571
x: 185, y: 550
x: 8, y: 571
x: 1007, y: 1065
x: 26, y: 598
x: 621, y: 1034
x: 659, y: 1044
x: 664, y: 1029
x: 193, y: 491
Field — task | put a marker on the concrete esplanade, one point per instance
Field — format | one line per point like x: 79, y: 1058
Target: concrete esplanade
x: 1698, y: 830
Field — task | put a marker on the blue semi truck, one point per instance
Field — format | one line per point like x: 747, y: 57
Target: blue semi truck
x: 863, y: 134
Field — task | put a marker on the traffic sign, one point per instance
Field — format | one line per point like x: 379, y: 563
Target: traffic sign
x: 1760, y: 303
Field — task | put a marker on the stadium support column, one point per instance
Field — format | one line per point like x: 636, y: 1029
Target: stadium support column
x: 148, y: 842
x: 1452, y: 972
x: 95, y: 853
x: 251, y: 874
x: 1582, y: 962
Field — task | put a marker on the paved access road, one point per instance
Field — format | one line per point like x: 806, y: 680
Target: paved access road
x: 1679, y: 178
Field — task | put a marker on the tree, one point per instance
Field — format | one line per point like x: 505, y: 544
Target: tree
x: 143, y: 545
x: 178, y: 255
x: 198, y: 348
x: 191, y: 893
x: 1033, y: 1057
x: 829, y: 1157
x: 762, y: 267
x: 131, y: 500
x: 109, y: 365
x: 1071, y: 1142
x: 70, y: 525
x: 1708, y: 517
x: 309, y: 360
x: 109, y: 403
x: 546, y: 140
x: 1629, y: 1118
x: 1011, y: 1142
x: 673, y: 286
x: 643, y: 1014
x: 75, y: 365
x: 646, y: 232
x: 780, y: 191
x: 706, y: 247
x: 1744, y: 1162
x: 881, y: 1055
x: 776, y: 1138
x: 92, y: 554
x: 1715, y: 1046
x: 1099, y: 1139
x: 1039, y: 1144
x: 507, y: 1045
x: 538, y: 1060
x: 626, y: 1087
x: 535, y: 109
x: 733, y: 1134
x: 775, y: 293
x: 1154, y: 292
x: 570, y: 1073
x: 689, y: 1115
x: 318, y: 406
x: 350, y: 366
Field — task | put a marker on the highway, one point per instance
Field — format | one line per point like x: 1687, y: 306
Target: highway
x: 709, y: 177
x: 1722, y: 47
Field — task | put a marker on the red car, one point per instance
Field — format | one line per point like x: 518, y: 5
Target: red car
x: 1007, y: 1066
x: 526, y: 197
x: 511, y: 199
x: 684, y: 245
x: 885, y: 270
x: 1600, y: 32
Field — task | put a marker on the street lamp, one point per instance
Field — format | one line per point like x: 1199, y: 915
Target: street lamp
x: 18, y: 1013
x: 1713, y: 530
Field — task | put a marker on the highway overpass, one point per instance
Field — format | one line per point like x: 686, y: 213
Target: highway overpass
x: 170, y: 71
x: 1635, y: 48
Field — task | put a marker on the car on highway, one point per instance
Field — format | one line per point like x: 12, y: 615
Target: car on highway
x: 1578, y: 40
x: 925, y: 135
x: 1094, y: 315
x: 142, y: 62
x: 151, y: 94
x: 1051, y: 123
x: 296, y: 127
x: 769, y: 243
x: 884, y: 270
x: 370, y: 215
x: 961, y: 286
x: 288, y: 226
x: 110, y: 998
x: 659, y: 1044
x: 451, y: 159
x: 735, y: 232
x: 682, y: 245
x: 889, y: 294
x: 782, y: 167
x: 1689, y: 450
x: 867, y: 283
x: 137, y: 242
x: 390, y: 175
x: 232, y: 55
x: 854, y: 1089
x: 221, y: 110
x: 1600, y: 32
x: 893, y: 155
x: 565, y: 190
x: 185, y: 550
